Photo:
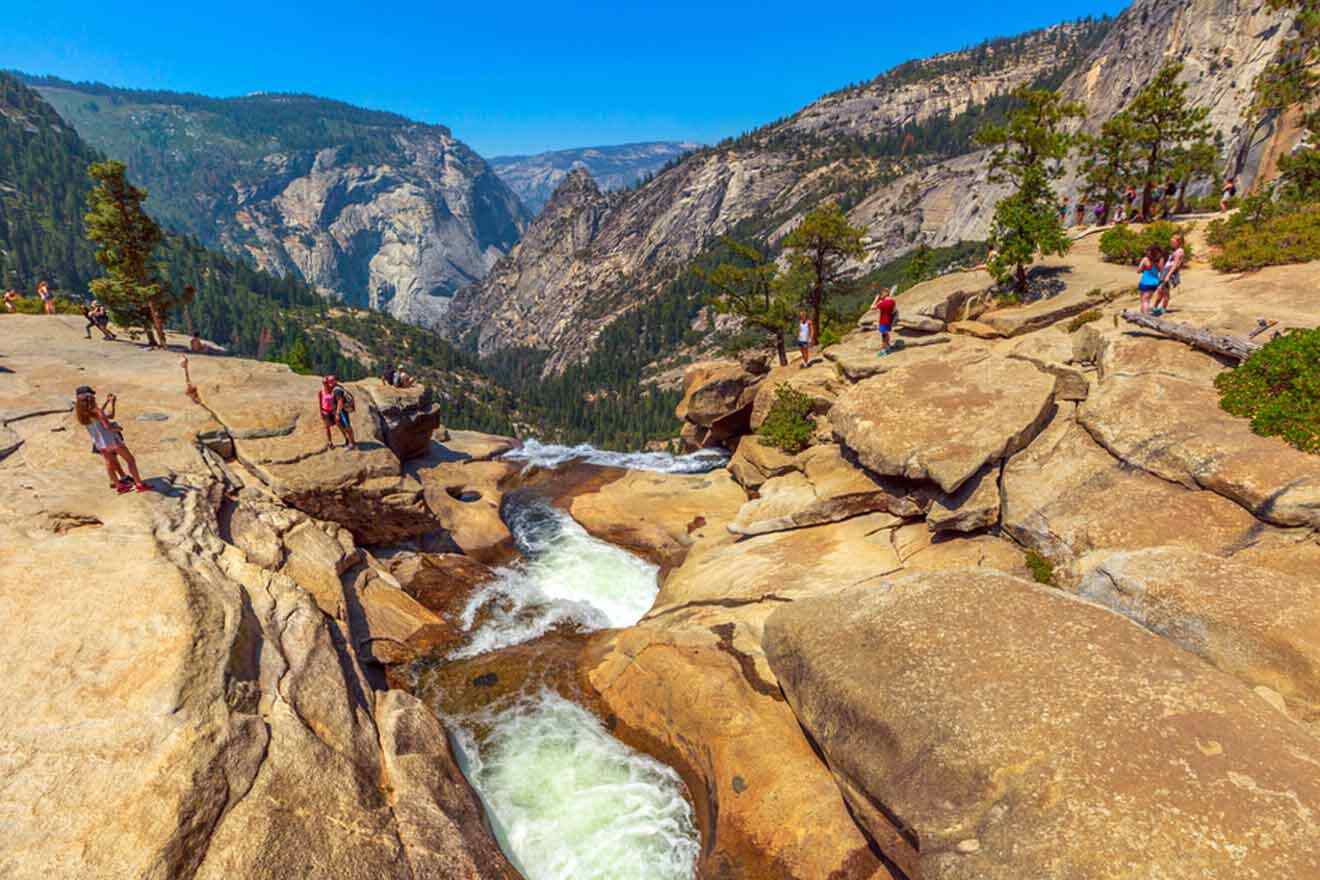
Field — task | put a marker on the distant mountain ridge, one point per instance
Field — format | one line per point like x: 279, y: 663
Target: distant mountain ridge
x: 535, y: 177
x: 372, y: 208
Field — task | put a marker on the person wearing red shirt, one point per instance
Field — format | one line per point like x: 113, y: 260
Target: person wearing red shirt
x: 886, y: 312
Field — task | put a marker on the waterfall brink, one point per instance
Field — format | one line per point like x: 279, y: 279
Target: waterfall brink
x: 548, y: 455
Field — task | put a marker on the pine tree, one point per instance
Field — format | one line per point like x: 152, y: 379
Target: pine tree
x: 1028, y: 151
x: 1106, y: 162
x: 819, y: 249
x: 747, y: 288
x: 1163, y: 125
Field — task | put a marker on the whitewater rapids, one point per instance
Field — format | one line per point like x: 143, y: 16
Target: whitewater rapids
x: 550, y: 456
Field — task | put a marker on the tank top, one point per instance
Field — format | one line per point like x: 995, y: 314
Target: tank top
x: 102, y: 437
x: 804, y: 331
x: 1150, y: 277
x: 327, y: 401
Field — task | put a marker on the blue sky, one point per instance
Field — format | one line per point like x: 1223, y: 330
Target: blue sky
x: 515, y: 77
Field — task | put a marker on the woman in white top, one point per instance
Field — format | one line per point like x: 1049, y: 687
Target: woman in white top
x: 804, y: 338
x: 107, y: 440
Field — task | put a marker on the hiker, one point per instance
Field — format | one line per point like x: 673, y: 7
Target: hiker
x: 1100, y: 214
x: 196, y: 346
x: 1170, y: 197
x: 1151, y: 269
x: 336, y: 403
x: 1081, y: 213
x: 1172, y: 276
x: 11, y: 297
x: 108, y: 440
x: 804, y: 338
x: 402, y: 379
x: 1227, y: 194
x: 47, y: 298
x: 886, y: 312
x: 97, y: 317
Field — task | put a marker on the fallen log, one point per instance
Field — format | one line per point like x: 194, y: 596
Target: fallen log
x: 1238, y: 348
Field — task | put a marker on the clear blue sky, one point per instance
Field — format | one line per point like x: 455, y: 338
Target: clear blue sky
x: 515, y: 77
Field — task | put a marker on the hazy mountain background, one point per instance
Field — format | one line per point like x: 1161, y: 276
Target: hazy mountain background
x: 534, y: 178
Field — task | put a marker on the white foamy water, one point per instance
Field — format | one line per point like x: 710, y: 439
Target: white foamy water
x: 565, y: 576
x: 570, y: 802
x: 550, y: 456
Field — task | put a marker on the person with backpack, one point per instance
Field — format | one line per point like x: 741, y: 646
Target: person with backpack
x: 336, y: 403
x: 886, y: 313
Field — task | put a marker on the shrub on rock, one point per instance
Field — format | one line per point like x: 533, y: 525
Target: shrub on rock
x: 789, y: 425
x: 1276, y: 238
x: 1278, y: 388
x: 1127, y: 245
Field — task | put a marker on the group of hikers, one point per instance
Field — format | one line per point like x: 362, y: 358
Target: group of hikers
x: 1159, y: 274
x: 1166, y: 201
x: 44, y: 292
x: 886, y: 311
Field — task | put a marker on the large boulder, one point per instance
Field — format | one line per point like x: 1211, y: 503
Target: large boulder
x: 1174, y: 428
x: 973, y: 507
x: 901, y: 423
x: 819, y: 382
x: 985, y: 727
x: 409, y: 416
x: 1065, y: 496
x: 464, y: 497
x: 754, y: 461
x: 956, y: 296
x: 1255, y: 624
x: 715, y: 390
x: 858, y: 356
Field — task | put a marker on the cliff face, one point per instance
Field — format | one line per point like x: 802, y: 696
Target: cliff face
x: 535, y: 178
x: 373, y: 209
x: 836, y: 148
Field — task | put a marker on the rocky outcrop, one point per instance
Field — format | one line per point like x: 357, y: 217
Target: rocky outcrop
x: 1001, y: 718
x: 717, y: 401
x: 371, y: 208
x: 408, y: 417
x: 214, y: 720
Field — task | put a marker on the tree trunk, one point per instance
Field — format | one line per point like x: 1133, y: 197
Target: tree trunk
x: 779, y: 348
x: 158, y: 322
x: 1181, y: 206
x: 1020, y: 285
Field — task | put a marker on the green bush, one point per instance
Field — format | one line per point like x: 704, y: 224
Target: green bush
x: 1278, y: 388
x: 1127, y: 244
x: 789, y: 424
x: 1083, y: 319
x: 32, y: 305
x: 1042, y: 570
x: 1290, y: 236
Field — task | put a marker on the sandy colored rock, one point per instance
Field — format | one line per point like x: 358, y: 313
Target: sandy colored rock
x: 659, y: 515
x: 1073, y: 300
x: 1064, y: 497
x: 920, y: 549
x: 953, y: 297
x: 858, y: 356
x: 900, y: 423
x: 1255, y: 624
x: 694, y: 689
x: 387, y: 624
x: 1052, y: 352
x: 755, y: 461
x: 476, y: 446
x: 819, y: 381
x: 714, y: 389
x: 1012, y: 714
x: 1127, y: 351
x: 465, y: 498
x: 828, y: 488
x: 1175, y: 429
x: 408, y: 416
x: 973, y: 507
x: 441, y: 582
x: 976, y: 329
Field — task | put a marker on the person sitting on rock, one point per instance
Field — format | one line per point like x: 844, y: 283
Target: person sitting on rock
x: 108, y: 439
x: 11, y: 297
x: 1152, y: 272
x: 402, y: 379
x: 885, y: 309
x: 336, y: 403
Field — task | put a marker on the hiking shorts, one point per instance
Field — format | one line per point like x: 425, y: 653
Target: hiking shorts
x: 883, y: 328
x: 329, y: 418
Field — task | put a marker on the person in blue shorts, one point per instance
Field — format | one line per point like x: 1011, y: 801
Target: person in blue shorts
x: 1152, y: 273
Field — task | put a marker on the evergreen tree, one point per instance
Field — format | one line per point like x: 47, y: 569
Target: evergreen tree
x: 819, y: 249
x: 1028, y: 152
x: 1106, y: 161
x: 126, y: 236
x: 1195, y: 161
x: 746, y: 287
x: 1164, y: 126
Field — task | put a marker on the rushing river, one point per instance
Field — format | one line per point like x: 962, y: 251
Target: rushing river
x: 549, y: 455
x: 566, y: 799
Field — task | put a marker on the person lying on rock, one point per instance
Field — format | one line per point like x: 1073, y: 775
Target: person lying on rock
x: 336, y: 404
x: 108, y: 439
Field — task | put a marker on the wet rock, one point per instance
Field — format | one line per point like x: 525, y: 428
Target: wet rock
x: 440, y: 582
x: 1257, y: 625
x: 899, y: 423
x: 464, y: 498
x: 1028, y: 717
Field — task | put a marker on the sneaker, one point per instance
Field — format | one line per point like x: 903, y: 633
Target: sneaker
x: 142, y: 487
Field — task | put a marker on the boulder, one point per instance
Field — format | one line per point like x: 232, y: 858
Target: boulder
x: 475, y: 446
x: 464, y: 497
x: 1134, y: 352
x: 1257, y: 625
x: 659, y: 515
x: 1052, y: 352
x: 754, y: 461
x: 985, y: 727
x: 1064, y: 497
x: 973, y: 507
x: 714, y: 390
x: 900, y: 424
x: 408, y: 416
x: 976, y: 329
x: 1173, y: 428
x: 858, y: 356
x: 440, y: 582
x: 951, y: 297
x: 828, y: 488
x: 388, y: 625
x: 920, y: 549
x: 914, y: 323
x: 1042, y: 312
x: 819, y: 381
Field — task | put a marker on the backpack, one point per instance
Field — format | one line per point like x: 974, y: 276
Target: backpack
x: 349, y: 403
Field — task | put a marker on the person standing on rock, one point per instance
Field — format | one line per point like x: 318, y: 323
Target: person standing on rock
x: 804, y: 338
x: 107, y: 440
x: 885, y: 310
x: 1228, y: 193
x: 1172, y: 276
x: 1152, y: 273
x: 47, y: 298
x: 336, y: 404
